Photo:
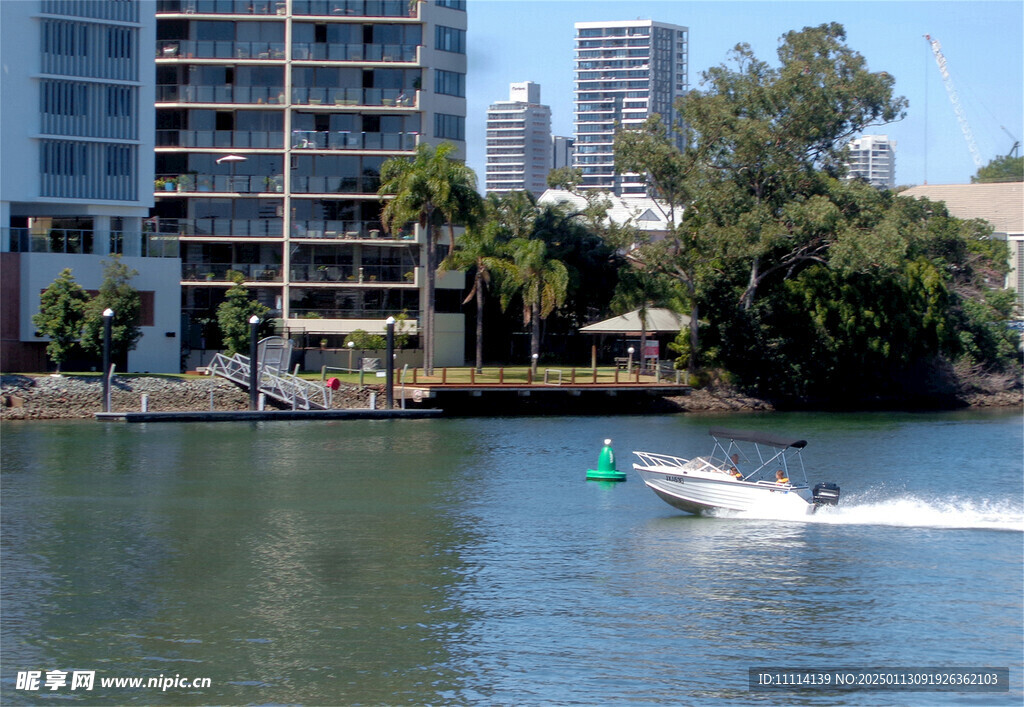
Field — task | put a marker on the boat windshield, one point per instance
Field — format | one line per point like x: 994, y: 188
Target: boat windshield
x: 758, y: 456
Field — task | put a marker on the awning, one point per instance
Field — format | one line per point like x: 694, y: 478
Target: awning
x: 658, y: 319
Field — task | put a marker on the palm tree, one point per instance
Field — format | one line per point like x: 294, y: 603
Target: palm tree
x: 542, y: 282
x: 639, y: 289
x: 480, y: 248
x: 431, y: 189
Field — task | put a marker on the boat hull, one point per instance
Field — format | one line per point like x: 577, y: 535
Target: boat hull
x: 699, y: 492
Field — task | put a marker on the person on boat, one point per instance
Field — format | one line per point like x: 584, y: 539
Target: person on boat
x: 732, y: 470
x: 780, y: 477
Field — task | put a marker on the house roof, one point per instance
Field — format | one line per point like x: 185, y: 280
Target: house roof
x: 1001, y: 204
x: 658, y: 320
x: 646, y: 213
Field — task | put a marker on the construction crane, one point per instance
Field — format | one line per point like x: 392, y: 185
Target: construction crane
x: 940, y: 59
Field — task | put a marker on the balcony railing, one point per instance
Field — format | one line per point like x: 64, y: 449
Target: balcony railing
x: 353, y: 313
x: 335, y: 185
x: 187, y: 93
x: 351, y: 274
x: 348, y: 8
x: 217, y: 49
x: 346, y: 140
x: 305, y: 95
x: 340, y: 229
x: 220, y: 138
x: 218, y: 272
x: 321, y: 51
x: 221, y: 183
x: 224, y: 227
x: 88, y: 242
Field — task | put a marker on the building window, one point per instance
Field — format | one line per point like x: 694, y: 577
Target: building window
x: 65, y: 38
x: 449, y: 39
x: 63, y: 158
x: 450, y: 83
x: 452, y: 127
x: 119, y: 160
x: 453, y: 4
x: 119, y: 43
x: 119, y: 101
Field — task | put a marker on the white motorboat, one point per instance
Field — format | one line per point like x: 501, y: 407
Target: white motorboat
x: 745, y: 471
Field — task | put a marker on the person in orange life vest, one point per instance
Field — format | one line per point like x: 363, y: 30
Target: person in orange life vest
x: 780, y: 477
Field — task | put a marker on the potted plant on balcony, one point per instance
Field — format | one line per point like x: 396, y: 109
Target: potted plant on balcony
x: 164, y: 184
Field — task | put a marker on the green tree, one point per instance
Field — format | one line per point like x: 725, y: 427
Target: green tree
x: 432, y: 189
x: 363, y: 340
x: 480, y: 250
x: 641, y: 289
x: 541, y: 282
x: 61, y: 316
x: 116, y: 293
x: 769, y: 143
x: 672, y: 175
x: 234, y: 313
x: 1001, y: 169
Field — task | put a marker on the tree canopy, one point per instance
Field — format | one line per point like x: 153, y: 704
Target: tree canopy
x: 61, y: 316
x: 1001, y: 169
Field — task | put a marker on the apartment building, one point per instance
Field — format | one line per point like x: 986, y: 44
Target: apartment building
x: 626, y: 71
x: 873, y: 159
x: 519, y: 153
x: 273, y: 120
x: 76, y: 106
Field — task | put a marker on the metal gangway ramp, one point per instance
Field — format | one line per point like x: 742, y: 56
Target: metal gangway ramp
x: 274, y: 380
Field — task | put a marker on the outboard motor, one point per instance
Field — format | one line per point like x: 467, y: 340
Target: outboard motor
x: 826, y: 494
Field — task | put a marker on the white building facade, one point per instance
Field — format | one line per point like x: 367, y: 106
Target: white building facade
x: 625, y: 72
x: 76, y: 106
x: 274, y: 118
x: 873, y: 159
x: 519, y: 154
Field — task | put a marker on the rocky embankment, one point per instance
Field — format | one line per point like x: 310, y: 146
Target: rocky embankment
x: 67, y: 397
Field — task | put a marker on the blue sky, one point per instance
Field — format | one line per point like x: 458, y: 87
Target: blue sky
x: 532, y: 40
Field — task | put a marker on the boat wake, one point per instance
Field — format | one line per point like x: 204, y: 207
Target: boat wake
x: 908, y: 512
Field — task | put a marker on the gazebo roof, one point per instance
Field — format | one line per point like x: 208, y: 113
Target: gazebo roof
x: 659, y: 320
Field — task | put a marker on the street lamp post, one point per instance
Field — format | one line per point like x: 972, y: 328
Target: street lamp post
x: 533, y: 364
x: 351, y: 345
x: 254, y: 378
x: 108, y: 319
x: 629, y: 365
x: 390, y: 365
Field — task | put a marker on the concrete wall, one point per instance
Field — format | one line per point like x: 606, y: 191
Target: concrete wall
x: 156, y: 352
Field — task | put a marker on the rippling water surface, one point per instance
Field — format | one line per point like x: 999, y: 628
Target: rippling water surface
x: 466, y: 561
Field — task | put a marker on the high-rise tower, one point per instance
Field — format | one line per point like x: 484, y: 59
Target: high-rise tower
x: 873, y: 159
x: 273, y: 120
x: 519, y: 142
x: 626, y: 71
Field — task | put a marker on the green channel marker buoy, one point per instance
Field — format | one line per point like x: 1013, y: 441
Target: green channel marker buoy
x: 606, y: 470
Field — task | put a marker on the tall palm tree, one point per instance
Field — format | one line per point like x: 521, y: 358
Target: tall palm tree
x: 432, y: 189
x: 480, y: 248
x: 639, y: 289
x: 542, y: 282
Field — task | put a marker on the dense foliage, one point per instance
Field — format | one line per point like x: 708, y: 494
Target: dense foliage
x: 61, y: 316
x: 116, y: 293
x: 1001, y: 169
x: 808, y: 284
x: 234, y: 313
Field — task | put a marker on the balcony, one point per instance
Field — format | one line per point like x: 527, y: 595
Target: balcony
x: 345, y: 140
x: 389, y: 97
x: 223, y: 227
x: 353, y: 275
x: 218, y: 49
x: 220, y: 183
x: 220, y: 138
x: 187, y: 93
x: 88, y: 242
x: 322, y: 51
x: 218, y: 272
x: 347, y: 230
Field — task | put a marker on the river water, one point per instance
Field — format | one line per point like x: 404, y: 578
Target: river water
x: 467, y: 561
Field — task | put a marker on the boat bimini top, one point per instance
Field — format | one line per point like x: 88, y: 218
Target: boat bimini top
x: 767, y: 452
